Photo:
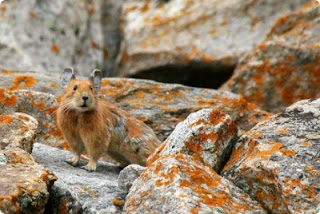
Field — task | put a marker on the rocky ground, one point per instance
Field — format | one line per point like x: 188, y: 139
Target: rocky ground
x: 250, y: 144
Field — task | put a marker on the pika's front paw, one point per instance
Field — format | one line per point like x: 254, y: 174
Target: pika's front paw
x: 89, y: 168
x: 73, y: 161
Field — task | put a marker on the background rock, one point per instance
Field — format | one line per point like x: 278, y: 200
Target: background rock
x: 285, y: 68
x: 207, y: 135
x: 24, y: 185
x: 193, y: 42
x: 277, y: 161
x: 49, y: 36
x: 17, y: 131
x: 128, y: 175
x: 161, y: 106
x: 177, y: 184
x: 78, y: 190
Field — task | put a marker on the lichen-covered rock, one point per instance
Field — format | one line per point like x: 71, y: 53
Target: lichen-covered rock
x: 286, y: 67
x: 79, y: 191
x: 163, y: 36
x: 161, y: 106
x: 41, y: 106
x: 207, y: 135
x: 177, y: 184
x: 277, y: 161
x: 24, y: 185
x: 17, y: 130
x: 128, y: 175
x: 48, y: 36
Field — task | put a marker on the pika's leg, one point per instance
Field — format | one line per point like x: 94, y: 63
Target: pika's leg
x: 77, y: 150
x: 95, y: 150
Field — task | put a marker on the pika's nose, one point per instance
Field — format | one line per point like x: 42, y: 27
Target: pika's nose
x: 85, y: 98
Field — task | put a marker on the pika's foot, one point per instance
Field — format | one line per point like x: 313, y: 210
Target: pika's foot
x: 89, y: 168
x: 74, y: 161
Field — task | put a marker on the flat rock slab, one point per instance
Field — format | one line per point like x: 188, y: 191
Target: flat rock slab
x: 278, y: 161
x: 77, y: 190
x: 177, y: 184
x: 285, y: 68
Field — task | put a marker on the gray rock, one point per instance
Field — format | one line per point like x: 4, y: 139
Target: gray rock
x: 177, y: 184
x: 168, y: 38
x: 207, y: 136
x: 78, y: 190
x: 128, y: 175
x: 277, y: 162
x: 18, y: 130
x: 48, y: 36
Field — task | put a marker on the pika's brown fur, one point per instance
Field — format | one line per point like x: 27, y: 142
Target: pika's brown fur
x: 97, y: 126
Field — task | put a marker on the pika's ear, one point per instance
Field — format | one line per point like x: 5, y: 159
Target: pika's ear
x: 95, y: 78
x: 66, y: 76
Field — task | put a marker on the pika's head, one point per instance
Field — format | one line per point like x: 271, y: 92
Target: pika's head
x: 80, y: 95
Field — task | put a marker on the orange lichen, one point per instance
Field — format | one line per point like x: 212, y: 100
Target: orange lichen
x: 55, y: 48
x: 3, y: 8
x: 216, y: 116
x: 287, y: 152
x: 105, y: 52
x: 22, y: 82
x: 5, y: 119
x: 32, y: 14
x: 306, y: 144
x: 117, y: 202
x: 93, y: 44
x: 265, y: 154
x: 282, y: 131
x: 140, y: 94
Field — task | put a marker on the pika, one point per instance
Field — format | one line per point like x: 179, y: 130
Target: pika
x: 97, y: 126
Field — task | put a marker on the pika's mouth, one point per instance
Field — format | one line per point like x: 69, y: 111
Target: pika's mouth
x: 84, y: 105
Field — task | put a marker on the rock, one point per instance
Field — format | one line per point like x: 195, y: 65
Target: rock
x: 177, y: 184
x: 128, y: 175
x: 41, y: 106
x: 178, y: 41
x: 207, y: 135
x: 78, y: 190
x: 285, y: 68
x: 24, y: 185
x: 49, y: 36
x: 161, y: 106
x: 17, y: 131
x: 277, y: 162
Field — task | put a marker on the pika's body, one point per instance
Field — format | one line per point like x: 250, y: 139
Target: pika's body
x: 97, y: 126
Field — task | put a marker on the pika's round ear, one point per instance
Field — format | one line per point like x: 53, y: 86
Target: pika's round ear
x: 66, y: 76
x: 95, y: 78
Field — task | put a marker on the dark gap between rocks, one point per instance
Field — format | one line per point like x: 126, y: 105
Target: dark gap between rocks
x: 195, y: 75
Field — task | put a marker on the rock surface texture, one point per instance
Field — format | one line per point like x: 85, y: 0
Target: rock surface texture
x: 285, y: 68
x: 177, y: 184
x: 79, y: 191
x: 48, y: 36
x: 277, y: 162
x: 18, y: 130
x: 163, y: 38
x: 128, y: 175
x: 207, y: 135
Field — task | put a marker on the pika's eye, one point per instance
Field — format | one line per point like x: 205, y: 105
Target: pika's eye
x: 75, y: 87
x: 91, y: 88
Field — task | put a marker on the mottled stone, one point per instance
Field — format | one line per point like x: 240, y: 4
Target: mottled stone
x: 17, y: 130
x: 207, y: 135
x: 78, y: 190
x: 128, y: 175
x: 24, y: 185
x: 168, y: 38
x: 277, y: 162
x: 177, y: 184
x: 50, y: 35
x: 285, y: 68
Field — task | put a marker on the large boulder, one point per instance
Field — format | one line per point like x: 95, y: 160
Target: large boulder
x: 161, y: 106
x: 178, y: 41
x: 286, y: 67
x: 48, y: 36
x: 177, y: 184
x: 277, y: 162
x: 207, y: 135
x: 79, y: 191
x: 24, y: 185
x: 18, y: 130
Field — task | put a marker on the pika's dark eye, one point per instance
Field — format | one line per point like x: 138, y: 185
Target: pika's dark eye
x: 91, y: 88
x: 75, y: 87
